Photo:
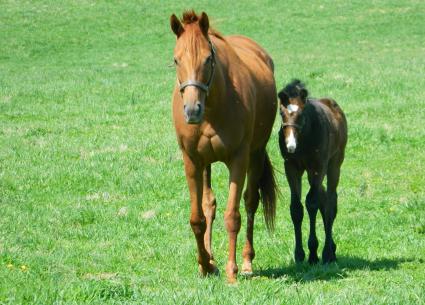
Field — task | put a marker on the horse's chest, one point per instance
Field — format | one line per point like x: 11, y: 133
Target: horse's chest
x: 211, y: 145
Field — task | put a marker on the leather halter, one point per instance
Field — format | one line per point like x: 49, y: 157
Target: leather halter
x: 291, y: 125
x: 195, y: 83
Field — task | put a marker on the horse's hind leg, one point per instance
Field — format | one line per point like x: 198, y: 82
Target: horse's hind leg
x: 330, y: 210
x: 232, y: 217
x: 251, y: 197
x: 313, y: 199
x: 209, y: 207
x: 293, y: 175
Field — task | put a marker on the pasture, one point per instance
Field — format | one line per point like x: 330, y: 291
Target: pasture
x: 94, y: 206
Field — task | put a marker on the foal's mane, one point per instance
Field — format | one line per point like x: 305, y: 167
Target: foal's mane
x: 190, y: 17
x: 294, y: 87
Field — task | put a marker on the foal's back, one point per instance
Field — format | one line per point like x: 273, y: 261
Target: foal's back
x: 337, y: 122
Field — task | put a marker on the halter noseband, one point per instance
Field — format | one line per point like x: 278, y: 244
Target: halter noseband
x: 195, y: 83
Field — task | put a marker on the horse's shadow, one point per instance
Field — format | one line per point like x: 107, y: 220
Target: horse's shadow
x: 305, y: 273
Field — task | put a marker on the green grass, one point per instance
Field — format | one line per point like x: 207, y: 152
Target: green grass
x: 93, y: 201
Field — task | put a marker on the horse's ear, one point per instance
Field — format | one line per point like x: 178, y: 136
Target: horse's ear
x: 284, y: 99
x: 204, y: 23
x: 303, y: 94
x: 176, y: 25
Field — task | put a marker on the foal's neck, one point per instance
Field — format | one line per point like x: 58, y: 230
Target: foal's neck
x: 307, y: 136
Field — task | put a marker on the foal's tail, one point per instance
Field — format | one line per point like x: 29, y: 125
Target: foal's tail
x: 268, y: 189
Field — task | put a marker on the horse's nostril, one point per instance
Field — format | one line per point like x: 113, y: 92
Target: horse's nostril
x: 198, y: 108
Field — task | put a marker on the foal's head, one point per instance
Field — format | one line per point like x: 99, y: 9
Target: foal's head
x: 292, y: 101
x: 194, y: 58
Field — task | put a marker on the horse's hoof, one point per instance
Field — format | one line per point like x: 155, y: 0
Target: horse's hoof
x: 232, y: 280
x: 210, y: 269
x: 231, y: 272
x: 246, y: 268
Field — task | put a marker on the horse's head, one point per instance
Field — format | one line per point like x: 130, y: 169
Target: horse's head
x: 194, y: 58
x: 292, y: 101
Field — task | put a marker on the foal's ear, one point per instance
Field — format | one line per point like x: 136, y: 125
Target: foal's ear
x: 204, y: 23
x: 303, y: 94
x: 176, y: 25
x: 284, y: 98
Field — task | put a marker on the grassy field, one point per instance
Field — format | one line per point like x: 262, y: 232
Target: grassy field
x: 94, y: 207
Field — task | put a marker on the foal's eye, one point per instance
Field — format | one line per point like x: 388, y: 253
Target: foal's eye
x: 176, y: 62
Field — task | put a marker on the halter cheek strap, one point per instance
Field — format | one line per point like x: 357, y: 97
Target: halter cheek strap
x: 200, y: 85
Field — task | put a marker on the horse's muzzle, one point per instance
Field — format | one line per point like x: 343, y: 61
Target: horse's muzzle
x: 193, y: 113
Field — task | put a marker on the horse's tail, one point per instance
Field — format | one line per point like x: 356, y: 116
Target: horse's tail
x: 268, y: 190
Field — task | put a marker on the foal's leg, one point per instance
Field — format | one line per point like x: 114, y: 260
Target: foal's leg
x: 209, y: 207
x: 252, y: 197
x: 315, y: 179
x: 330, y: 210
x: 232, y: 217
x: 197, y: 219
x: 293, y: 175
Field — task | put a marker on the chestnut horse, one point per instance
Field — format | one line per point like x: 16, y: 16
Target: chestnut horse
x: 312, y: 138
x: 224, y: 106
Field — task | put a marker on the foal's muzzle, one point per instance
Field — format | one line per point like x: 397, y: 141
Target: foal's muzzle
x: 193, y: 113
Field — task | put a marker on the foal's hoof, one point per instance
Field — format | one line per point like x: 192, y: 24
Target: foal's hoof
x: 328, y: 258
x: 313, y: 259
x: 246, y: 268
x: 299, y: 256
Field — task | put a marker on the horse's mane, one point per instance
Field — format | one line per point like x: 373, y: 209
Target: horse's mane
x: 190, y: 17
x: 294, y: 87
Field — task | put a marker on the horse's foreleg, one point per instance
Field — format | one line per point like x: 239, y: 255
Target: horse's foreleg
x: 197, y: 219
x: 315, y: 179
x: 232, y: 217
x: 251, y: 197
x: 293, y: 176
x: 209, y: 207
x: 330, y: 210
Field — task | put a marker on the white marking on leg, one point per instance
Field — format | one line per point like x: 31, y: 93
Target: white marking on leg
x: 291, y: 143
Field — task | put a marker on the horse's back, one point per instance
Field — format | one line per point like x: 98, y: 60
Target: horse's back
x: 248, y: 50
x: 259, y: 82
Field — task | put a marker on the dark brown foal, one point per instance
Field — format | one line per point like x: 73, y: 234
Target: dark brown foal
x: 312, y: 138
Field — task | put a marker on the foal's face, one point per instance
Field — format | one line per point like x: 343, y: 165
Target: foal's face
x: 193, y: 58
x: 292, y: 124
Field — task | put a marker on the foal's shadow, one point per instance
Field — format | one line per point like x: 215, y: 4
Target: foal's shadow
x: 304, y: 272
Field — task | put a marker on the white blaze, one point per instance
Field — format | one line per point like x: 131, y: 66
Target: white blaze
x: 292, y: 108
x: 291, y: 144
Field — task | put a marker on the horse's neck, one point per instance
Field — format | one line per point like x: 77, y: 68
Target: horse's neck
x: 224, y: 78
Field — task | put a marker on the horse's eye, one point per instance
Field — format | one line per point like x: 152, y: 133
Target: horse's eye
x: 176, y: 61
x: 208, y: 60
